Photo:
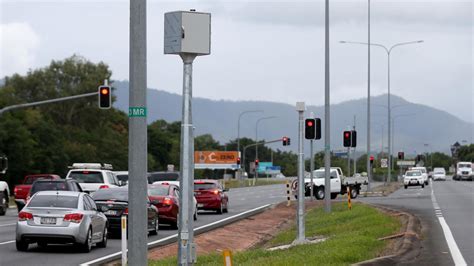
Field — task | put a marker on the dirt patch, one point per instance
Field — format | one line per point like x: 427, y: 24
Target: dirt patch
x: 244, y: 234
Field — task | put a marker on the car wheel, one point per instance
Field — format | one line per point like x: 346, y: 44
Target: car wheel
x: 195, y: 215
x: 320, y: 193
x: 220, y: 210
x: 3, y: 204
x: 354, y: 193
x: 21, y: 245
x: 156, y: 224
x: 422, y: 186
x: 87, y: 245
x: 333, y: 195
x: 226, y: 210
x: 406, y: 186
x: 103, y: 243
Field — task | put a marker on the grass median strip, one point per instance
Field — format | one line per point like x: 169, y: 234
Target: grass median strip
x: 352, y: 237
x: 249, y: 182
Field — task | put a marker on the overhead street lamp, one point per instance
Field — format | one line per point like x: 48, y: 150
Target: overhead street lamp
x: 389, y: 52
x: 256, y: 134
x: 238, y: 124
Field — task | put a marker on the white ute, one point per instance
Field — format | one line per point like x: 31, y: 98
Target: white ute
x: 464, y: 171
x: 4, y: 190
x: 93, y: 176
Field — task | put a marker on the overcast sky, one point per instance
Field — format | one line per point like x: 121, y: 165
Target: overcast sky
x: 264, y: 50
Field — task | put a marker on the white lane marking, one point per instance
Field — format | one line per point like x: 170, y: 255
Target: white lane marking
x: 175, y: 235
x: 8, y: 242
x: 448, y: 235
x: 1, y: 225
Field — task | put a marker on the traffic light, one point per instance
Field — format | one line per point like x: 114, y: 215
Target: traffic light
x: 285, y: 141
x: 288, y: 142
x: 401, y: 155
x: 371, y: 160
x: 238, y: 160
x: 105, y: 97
x: 310, y: 128
x: 347, y: 138
x: 256, y: 163
x: 353, y: 138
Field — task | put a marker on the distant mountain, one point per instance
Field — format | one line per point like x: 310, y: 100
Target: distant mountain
x: 415, y: 124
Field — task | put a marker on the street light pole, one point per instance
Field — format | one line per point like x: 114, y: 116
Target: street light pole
x: 327, y: 131
x: 256, y: 140
x: 238, y: 124
x: 389, y: 52
x: 369, y: 172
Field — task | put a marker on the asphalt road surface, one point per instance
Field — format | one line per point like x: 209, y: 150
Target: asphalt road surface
x: 240, y: 200
x: 446, y: 210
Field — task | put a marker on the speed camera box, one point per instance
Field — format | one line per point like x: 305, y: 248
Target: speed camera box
x: 187, y: 32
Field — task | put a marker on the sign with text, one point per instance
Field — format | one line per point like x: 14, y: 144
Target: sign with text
x: 216, y: 157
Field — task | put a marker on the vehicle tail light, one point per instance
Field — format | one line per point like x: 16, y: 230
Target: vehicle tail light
x: 73, y: 217
x: 125, y: 211
x: 25, y: 216
x: 215, y: 191
x: 167, y: 202
x: 103, y: 186
x: 15, y: 191
x: 165, y: 183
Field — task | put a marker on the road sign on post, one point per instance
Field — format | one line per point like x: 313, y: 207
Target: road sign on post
x: 187, y: 34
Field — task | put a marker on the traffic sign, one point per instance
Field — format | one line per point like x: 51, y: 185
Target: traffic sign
x: 137, y: 112
x: 384, y: 163
x: 216, y: 157
x: 405, y: 163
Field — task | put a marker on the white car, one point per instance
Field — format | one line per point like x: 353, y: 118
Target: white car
x: 439, y: 174
x: 413, y: 178
x: 93, y: 176
x: 176, y: 183
x: 464, y: 171
x: 424, y: 173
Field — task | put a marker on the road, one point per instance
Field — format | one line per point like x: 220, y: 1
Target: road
x: 445, y: 208
x: 240, y: 200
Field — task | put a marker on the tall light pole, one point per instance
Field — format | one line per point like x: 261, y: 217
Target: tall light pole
x: 238, y: 124
x: 389, y: 52
x: 256, y: 140
x: 327, y: 131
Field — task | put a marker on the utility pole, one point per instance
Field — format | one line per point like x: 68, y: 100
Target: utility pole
x: 300, y: 108
x: 327, y: 131
x: 137, y: 144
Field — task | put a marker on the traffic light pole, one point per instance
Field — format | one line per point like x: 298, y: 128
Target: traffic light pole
x: 311, y: 169
x: 255, y: 144
x: 62, y: 99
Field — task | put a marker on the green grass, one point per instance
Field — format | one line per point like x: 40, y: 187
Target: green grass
x: 233, y: 183
x: 352, y: 238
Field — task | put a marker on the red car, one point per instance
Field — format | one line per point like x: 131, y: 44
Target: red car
x: 21, y: 191
x: 210, y: 195
x: 166, y: 199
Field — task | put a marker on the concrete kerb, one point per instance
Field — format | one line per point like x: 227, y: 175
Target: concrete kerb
x: 115, y: 258
x: 410, y: 246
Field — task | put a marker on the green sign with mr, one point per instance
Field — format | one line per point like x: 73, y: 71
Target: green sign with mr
x: 137, y: 112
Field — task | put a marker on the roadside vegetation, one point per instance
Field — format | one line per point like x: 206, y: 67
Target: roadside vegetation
x: 352, y: 237
x: 249, y: 182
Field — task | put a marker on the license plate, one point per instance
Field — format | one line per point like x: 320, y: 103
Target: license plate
x: 413, y: 182
x: 200, y: 205
x: 198, y: 193
x: 48, y: 220
x: 111, y: 213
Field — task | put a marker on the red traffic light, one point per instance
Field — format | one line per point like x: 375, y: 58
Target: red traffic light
x: 347, y: 135
x: 310, y: 123
x: 371, y: 157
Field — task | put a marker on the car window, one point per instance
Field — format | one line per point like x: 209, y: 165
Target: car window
x: 111, y: 179
x: 111, y: 194
x: 47, y: 185
x: 164, y: 176
x: 176, y: 192
x: 414, y: 173
x: 205, y: 186
x: 122, y: 177
x: 158, y: 190
x: 91, y: 202
x: 53, y: 201
x: 87, y: 176
x: 87, y: 204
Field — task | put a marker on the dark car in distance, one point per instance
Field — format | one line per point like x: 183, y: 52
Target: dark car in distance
x: 53, y: 185
x: 210, y: 195
x: 113, y: 202
x: 166, y: 199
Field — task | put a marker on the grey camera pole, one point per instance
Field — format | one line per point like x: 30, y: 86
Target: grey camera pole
x: 186, y: 250
x: 311, y: 164
x: 137, y: 144
x: 300, y: 108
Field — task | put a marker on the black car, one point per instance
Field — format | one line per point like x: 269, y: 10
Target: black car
x: 163, y: 176
x: 53, y: 184
x: 113, y: 202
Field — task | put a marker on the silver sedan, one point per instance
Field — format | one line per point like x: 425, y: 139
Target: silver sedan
x: 61, y: 217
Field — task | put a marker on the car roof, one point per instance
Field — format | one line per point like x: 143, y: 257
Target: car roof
x: 59, y: 192
x: 121, y: 172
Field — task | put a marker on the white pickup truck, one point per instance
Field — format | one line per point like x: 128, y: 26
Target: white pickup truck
x: 4, y: 190
x: 464, y: 171
x: 339, y: 183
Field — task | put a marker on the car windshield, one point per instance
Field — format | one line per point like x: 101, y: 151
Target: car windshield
x: 464, y: 165
x: 122, y: 177
x: 439, y: 173
x: 87, y: 177
x: 29, y: 180
x: 321, y: 174
x: 53, y: 201
x: 204, y: 186
x: 48, y: 185
x: 154, y: 177
x: 158, y: 190
x: 111, y: 194
x: 413, y: 173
